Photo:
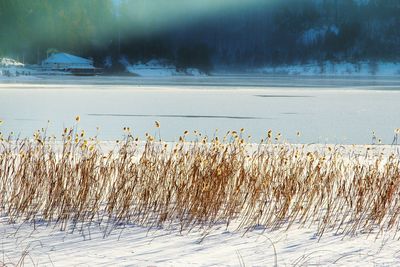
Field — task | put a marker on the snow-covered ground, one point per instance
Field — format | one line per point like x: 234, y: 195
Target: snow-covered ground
x: 158, y: 68
x: 43, y: 245
x: 10, y: 68
x: 336, y: 69
x: 333, y: 110
x: 9, y: 62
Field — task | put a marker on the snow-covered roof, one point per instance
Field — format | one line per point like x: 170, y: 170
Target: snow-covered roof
x: 8, y: 62
x: 64, y: 58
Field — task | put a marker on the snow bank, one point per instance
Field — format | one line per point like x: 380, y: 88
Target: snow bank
x: 331, y: 68
x: 138, y: 246
x: 158, y: 68
x: 8, y: 62
x: 153, y: 68
x: 12, y: 68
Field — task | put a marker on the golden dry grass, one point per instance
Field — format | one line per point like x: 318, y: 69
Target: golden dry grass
x: 197, y: 184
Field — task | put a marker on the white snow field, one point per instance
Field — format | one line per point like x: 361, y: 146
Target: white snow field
x: 138, y: 246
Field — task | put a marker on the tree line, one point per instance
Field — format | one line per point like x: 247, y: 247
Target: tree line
x: 279, y: 32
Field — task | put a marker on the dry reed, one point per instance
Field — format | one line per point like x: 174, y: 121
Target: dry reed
x: 197, y: 184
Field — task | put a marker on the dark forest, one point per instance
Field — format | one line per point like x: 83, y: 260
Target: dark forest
x: 189, y: 33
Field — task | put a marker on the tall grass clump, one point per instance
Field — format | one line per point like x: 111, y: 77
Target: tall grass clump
x: 76, y: 180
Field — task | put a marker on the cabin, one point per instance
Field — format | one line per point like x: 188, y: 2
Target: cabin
x: 69, y: 63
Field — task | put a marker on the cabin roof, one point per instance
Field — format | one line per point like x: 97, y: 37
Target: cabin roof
x: 64, y: 58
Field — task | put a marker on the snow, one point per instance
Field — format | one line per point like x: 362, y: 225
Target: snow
x: 10, y: 69
x: 133, y: 245
x: 158, y: 68
x: 66, y: 59
x: 334, y: 107
x: 8, y: 62
x: 153, y: 67
x: 339, y: 69
x: 194, y: 72
x: 138, y: 246
x: 13, y: 78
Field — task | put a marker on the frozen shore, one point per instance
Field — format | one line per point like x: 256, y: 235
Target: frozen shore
x: 329, y: 68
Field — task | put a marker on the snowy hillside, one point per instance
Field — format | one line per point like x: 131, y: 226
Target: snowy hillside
x: 158, y: 68
x: 331, y: 68
x: 10, y: 67
x: 8, y: 62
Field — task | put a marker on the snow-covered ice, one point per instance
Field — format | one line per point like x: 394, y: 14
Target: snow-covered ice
x: 324, y: 110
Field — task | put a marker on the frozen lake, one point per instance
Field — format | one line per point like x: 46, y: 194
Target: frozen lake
x: 324, y: 110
